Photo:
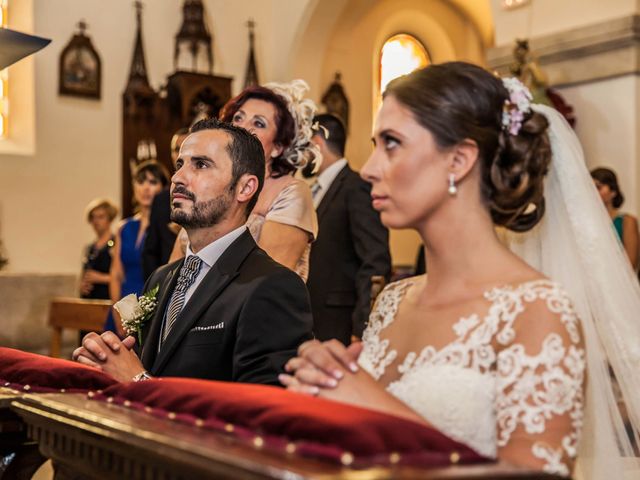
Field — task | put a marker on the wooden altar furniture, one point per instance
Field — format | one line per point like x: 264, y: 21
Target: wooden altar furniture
x: 90, y: 439
x: 150, y: 117
x: 76, y: 313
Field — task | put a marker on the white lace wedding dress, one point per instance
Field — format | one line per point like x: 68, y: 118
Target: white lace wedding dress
x: 504, y: 380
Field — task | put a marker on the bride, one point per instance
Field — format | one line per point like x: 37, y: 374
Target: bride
x: 499, y: 353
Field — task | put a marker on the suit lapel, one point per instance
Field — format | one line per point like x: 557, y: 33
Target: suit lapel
x: 212, y: 285
x: 335, y: 187
x: 151, y: 334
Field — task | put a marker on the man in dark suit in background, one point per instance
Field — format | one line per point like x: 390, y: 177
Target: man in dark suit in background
x: 227, y: 311
x: 352, y: 244
x: 160, y: 237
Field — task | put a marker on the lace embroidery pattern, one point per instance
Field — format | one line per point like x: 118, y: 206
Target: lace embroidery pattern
x: 529, y: 389
x: 375, y: 358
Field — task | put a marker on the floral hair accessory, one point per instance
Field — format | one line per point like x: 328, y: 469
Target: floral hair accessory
x: 316, y: 127
x: 301, y: 151
x: 516, y: 106
x: 135, y: 311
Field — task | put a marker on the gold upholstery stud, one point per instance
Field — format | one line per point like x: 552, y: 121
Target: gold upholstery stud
x: 346, y: 458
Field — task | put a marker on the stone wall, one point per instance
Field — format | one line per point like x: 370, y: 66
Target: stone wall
x: 24, y: 309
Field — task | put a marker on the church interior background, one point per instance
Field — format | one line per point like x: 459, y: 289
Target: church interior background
x: 58, y: 152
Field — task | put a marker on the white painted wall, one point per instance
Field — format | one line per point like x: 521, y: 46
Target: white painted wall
x: 542, y: 17
x: 78, y: 142
x: 607, y: 111
x: 608, y: 129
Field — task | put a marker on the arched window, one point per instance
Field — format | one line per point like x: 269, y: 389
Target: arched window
x: 4, y: 79
x: 400, y: 54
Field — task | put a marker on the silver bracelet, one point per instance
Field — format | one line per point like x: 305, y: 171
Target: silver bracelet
x: 142, y: 376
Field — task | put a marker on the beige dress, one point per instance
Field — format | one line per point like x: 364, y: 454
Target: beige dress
x: 293, y: 206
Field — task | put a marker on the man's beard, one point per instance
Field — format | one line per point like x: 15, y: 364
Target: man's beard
x: 203, y: 214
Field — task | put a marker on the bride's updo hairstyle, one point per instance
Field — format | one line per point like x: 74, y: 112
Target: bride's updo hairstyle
x: 457, y: 101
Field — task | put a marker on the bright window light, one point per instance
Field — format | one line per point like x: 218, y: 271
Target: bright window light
x: 401, y: 54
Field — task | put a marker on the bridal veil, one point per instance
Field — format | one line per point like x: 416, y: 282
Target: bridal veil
x: 575, y: 244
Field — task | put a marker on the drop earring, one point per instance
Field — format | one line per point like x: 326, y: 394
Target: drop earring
x: 452, y: 185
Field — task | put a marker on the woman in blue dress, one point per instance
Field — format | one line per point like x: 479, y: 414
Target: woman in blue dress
x: 149, y: 179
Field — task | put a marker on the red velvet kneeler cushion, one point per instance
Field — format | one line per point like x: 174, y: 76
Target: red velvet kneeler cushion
x: 276, y: 419
x: 38, y: 373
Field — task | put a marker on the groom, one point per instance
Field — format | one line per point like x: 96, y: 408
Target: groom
x: 227, y: 311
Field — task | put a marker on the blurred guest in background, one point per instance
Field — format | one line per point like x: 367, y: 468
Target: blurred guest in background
x: 149, y: 179
x: 352, y: 244
x: 94, y: 281
x: 626, y: 225
x: 161, y: 234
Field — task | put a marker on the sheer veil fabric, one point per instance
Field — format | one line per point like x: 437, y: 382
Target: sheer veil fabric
x: 575, y: 245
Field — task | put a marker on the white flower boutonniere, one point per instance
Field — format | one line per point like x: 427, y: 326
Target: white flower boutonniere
x: 135, y: 311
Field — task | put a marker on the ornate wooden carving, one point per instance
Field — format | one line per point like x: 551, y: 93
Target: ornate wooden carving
x: 335, y: 100
x: 150, y: 118
x: 80, y: 70
x: 193, y: 32
x: 251, y: 74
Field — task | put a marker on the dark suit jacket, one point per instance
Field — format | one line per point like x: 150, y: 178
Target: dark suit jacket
x: 159, y: 242
x: 244, y: 321
x: 352, y: 245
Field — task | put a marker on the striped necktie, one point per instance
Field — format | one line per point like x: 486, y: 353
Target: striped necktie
x: 188, y: 273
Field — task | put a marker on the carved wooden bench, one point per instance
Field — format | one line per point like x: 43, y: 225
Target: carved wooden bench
x: 76, y: 313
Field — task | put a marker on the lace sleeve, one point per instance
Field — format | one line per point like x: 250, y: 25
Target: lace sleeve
x: 540, y: 381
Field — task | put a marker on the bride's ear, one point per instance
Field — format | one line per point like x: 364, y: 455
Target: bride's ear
x: 464, y: 156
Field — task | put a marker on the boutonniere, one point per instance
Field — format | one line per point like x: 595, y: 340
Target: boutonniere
x: 135, y: 311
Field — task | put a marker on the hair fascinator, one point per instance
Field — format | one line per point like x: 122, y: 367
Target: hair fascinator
x: 301, y: 151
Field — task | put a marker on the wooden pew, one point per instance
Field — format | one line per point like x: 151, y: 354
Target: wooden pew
x: 91, y: 439
x: 76, y: 313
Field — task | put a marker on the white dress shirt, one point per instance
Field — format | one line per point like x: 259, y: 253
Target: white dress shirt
x: 210, y: 255
x: 326, y: 178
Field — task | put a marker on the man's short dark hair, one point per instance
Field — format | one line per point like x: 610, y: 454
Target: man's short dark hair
x: 335, y: 136
x: 245, y: 150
